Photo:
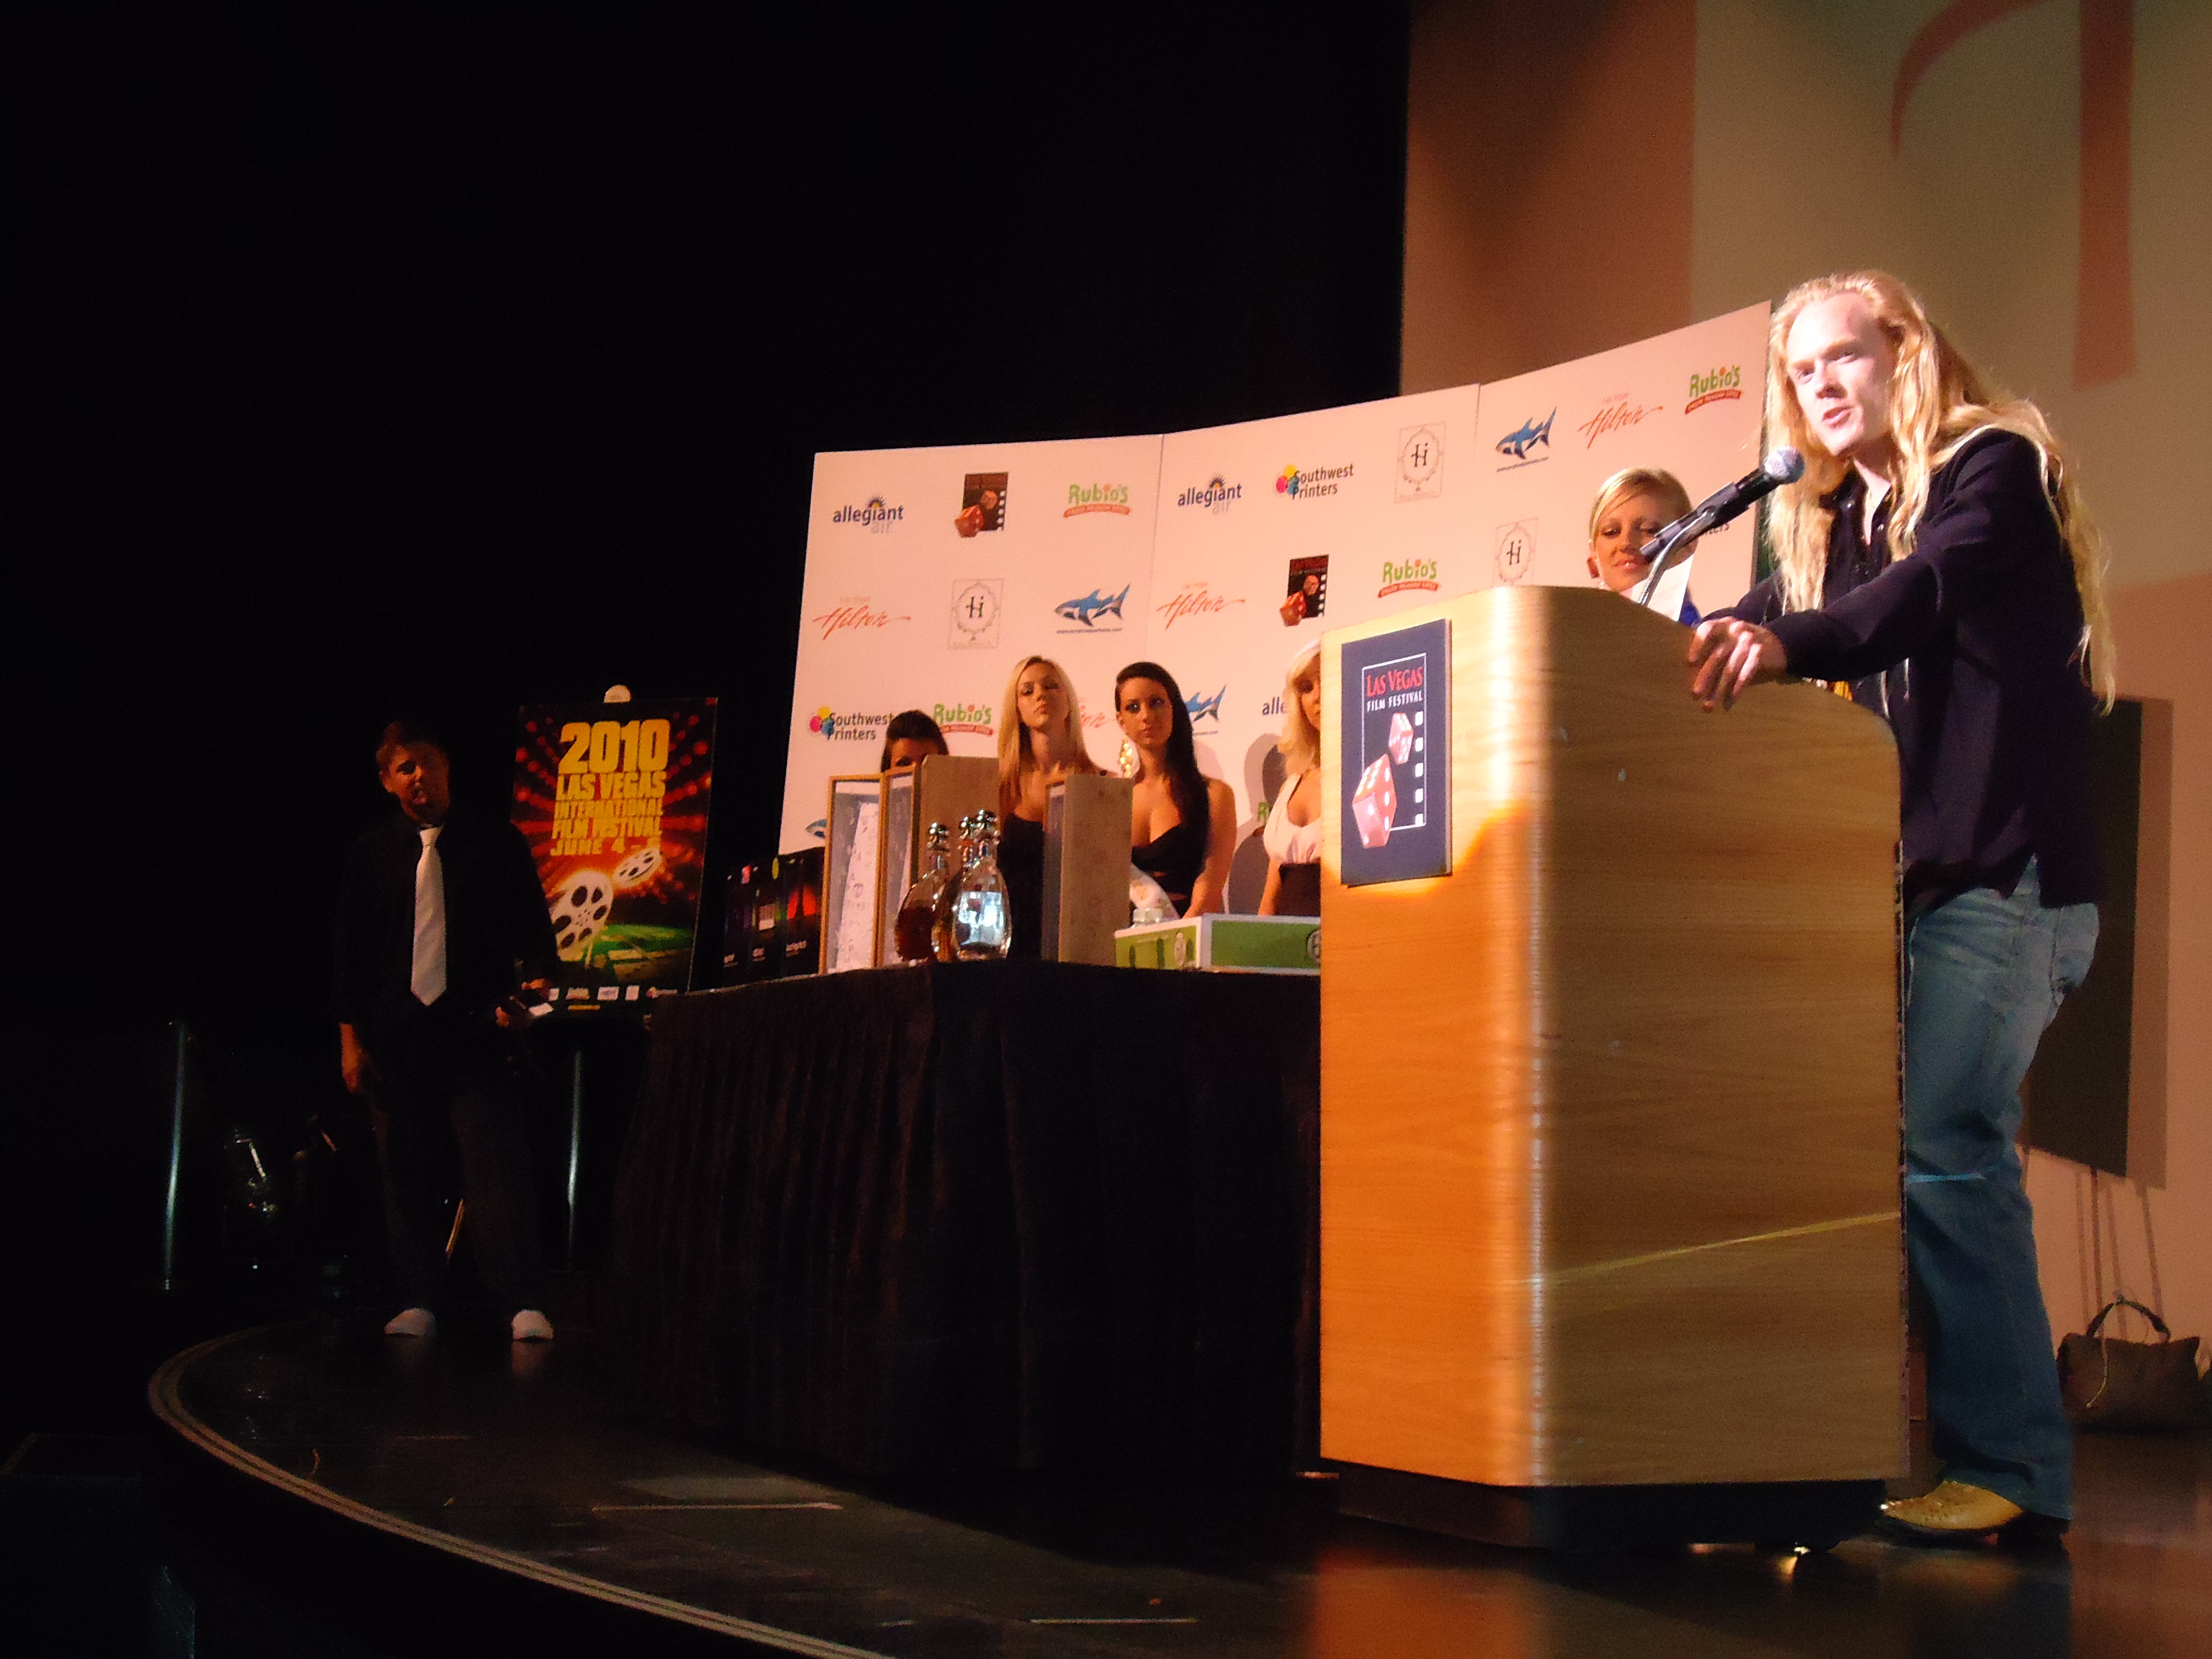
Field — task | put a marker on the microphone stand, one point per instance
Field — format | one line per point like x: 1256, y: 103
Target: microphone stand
x: 1668, y: 543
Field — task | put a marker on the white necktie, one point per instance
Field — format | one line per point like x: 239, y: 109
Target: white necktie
x: 429, y: 979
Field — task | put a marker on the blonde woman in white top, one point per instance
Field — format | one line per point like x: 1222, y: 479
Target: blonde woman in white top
x: 1292, y: 837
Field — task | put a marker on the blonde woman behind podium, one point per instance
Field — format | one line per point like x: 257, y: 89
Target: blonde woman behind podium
x: 1292, y: 837
x: 1040, y: 742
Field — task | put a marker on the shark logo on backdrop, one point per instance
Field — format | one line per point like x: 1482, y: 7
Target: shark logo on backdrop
x: 1516, y: 550
x: 970, y: 717
x: 1206, y: 708
x: 1421, y: 463
x: 1091, y: 608
x: 1515, y: 445
x: 1715, y: 385
x: 871, y: 515
x: 1214, y: 494
x: 976, y: 602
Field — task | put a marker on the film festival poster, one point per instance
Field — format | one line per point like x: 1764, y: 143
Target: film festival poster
x: 1396, y: 806
x: 612, y: 799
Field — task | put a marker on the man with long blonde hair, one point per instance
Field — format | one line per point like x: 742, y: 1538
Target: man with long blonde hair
x: 1935, y: 561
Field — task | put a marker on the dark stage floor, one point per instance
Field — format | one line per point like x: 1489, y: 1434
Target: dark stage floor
x: 504, y: 1463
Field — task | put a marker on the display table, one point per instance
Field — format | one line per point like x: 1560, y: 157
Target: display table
x: 985, y: 1216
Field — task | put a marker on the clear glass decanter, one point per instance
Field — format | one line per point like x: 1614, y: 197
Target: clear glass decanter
x: 982, y: 918
x: 911, y: 933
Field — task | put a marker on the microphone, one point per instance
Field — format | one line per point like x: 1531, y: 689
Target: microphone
x: 1781, y: 466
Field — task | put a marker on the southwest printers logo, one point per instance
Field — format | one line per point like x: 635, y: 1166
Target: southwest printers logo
x: 1616, y: 414
x: 1715, y: 386
x: 1306, y: 483
x: 848, y: 728
x: 1195, y: 599
x: 1096, y: 498
x: 1408, y: 576
x: 1214, y: 494
x: 1091, y: 608
x: 973, y: 717
x: 855, y: 613
x: 871, y: 515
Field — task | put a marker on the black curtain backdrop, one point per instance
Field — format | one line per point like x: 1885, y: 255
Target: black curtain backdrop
x: 368, y: 362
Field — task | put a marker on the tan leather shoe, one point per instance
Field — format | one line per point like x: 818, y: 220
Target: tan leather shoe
x: 1958, y: 1513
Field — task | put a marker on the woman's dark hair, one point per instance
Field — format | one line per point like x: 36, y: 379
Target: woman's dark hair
x: 912, y: 724
x: 1185, y: 783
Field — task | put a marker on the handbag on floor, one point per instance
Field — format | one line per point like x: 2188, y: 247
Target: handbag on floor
x: 2109, y: 1384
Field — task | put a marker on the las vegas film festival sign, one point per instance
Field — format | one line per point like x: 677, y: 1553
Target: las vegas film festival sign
x: 931, y: 573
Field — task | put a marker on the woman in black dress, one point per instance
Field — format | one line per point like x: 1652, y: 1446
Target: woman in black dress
x: 1183, y: 824
x: 1040, y: 742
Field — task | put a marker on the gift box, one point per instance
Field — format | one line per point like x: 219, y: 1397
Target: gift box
x: 1219, y: 944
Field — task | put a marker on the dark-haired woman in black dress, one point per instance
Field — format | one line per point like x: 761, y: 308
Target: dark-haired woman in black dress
x: 1183, y: 824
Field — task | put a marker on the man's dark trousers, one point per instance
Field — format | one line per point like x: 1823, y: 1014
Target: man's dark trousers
x: 451, y: 1121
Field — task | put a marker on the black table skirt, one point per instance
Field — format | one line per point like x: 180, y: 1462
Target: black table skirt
x: 984, y: 1216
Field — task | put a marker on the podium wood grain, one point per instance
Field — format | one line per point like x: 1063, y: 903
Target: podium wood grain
x: 1609, y: 1115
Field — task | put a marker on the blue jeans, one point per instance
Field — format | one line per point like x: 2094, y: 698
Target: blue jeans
x: 1985, y: 975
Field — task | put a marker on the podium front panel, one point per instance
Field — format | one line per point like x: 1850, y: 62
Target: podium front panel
x: 1610, y: 1119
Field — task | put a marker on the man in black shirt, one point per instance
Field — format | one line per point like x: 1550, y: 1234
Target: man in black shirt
x: 1937, y: 563
x: 440, y: 922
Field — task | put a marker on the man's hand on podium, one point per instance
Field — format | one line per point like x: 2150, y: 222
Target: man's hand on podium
x: 1728, y: 657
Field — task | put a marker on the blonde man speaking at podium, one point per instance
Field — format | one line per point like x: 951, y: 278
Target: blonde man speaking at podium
x: 1936, y: 559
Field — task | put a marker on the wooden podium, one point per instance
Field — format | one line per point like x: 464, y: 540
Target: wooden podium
x: 1611, y: 1248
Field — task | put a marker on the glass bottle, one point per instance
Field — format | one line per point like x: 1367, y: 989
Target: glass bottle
x: 982, y: 917
x: 911, y: 933
x: 941, y: 943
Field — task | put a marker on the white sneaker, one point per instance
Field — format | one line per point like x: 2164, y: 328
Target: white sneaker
x: 531, y: 1326
x: 416, y: 1321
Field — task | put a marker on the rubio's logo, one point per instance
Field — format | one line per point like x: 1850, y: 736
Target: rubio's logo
x: 1408, y: 576
x: 1195, y: 599
x: 848, y: 728
x: 1214, y: 494
x: 973, y: 717
x: 1715, y: 386
x: 1096, y: 498
x: 1614, y: 414
x: 871, y: 515
x: 1303, y: 483
x: 855, y: 613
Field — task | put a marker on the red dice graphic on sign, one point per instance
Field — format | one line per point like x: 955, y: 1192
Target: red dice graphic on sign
x: 1401, y: 739
x: 1375, y: 803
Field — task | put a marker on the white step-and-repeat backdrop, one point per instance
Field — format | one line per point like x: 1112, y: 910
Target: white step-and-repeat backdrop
x: 930, y: 573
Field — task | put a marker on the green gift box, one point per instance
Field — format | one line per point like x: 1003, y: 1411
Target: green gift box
x: 1245, y: 944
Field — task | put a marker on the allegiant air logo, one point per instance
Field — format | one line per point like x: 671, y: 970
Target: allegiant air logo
x: 1096, y: 498
x: 1213, y: 495
x: 973, y: 717
x: 1195, y: 599
x: 1613, y: 414
x: 1407, y: 575
x: 1716, y: 385
x: 855, y: 613
x: 871, y: 515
